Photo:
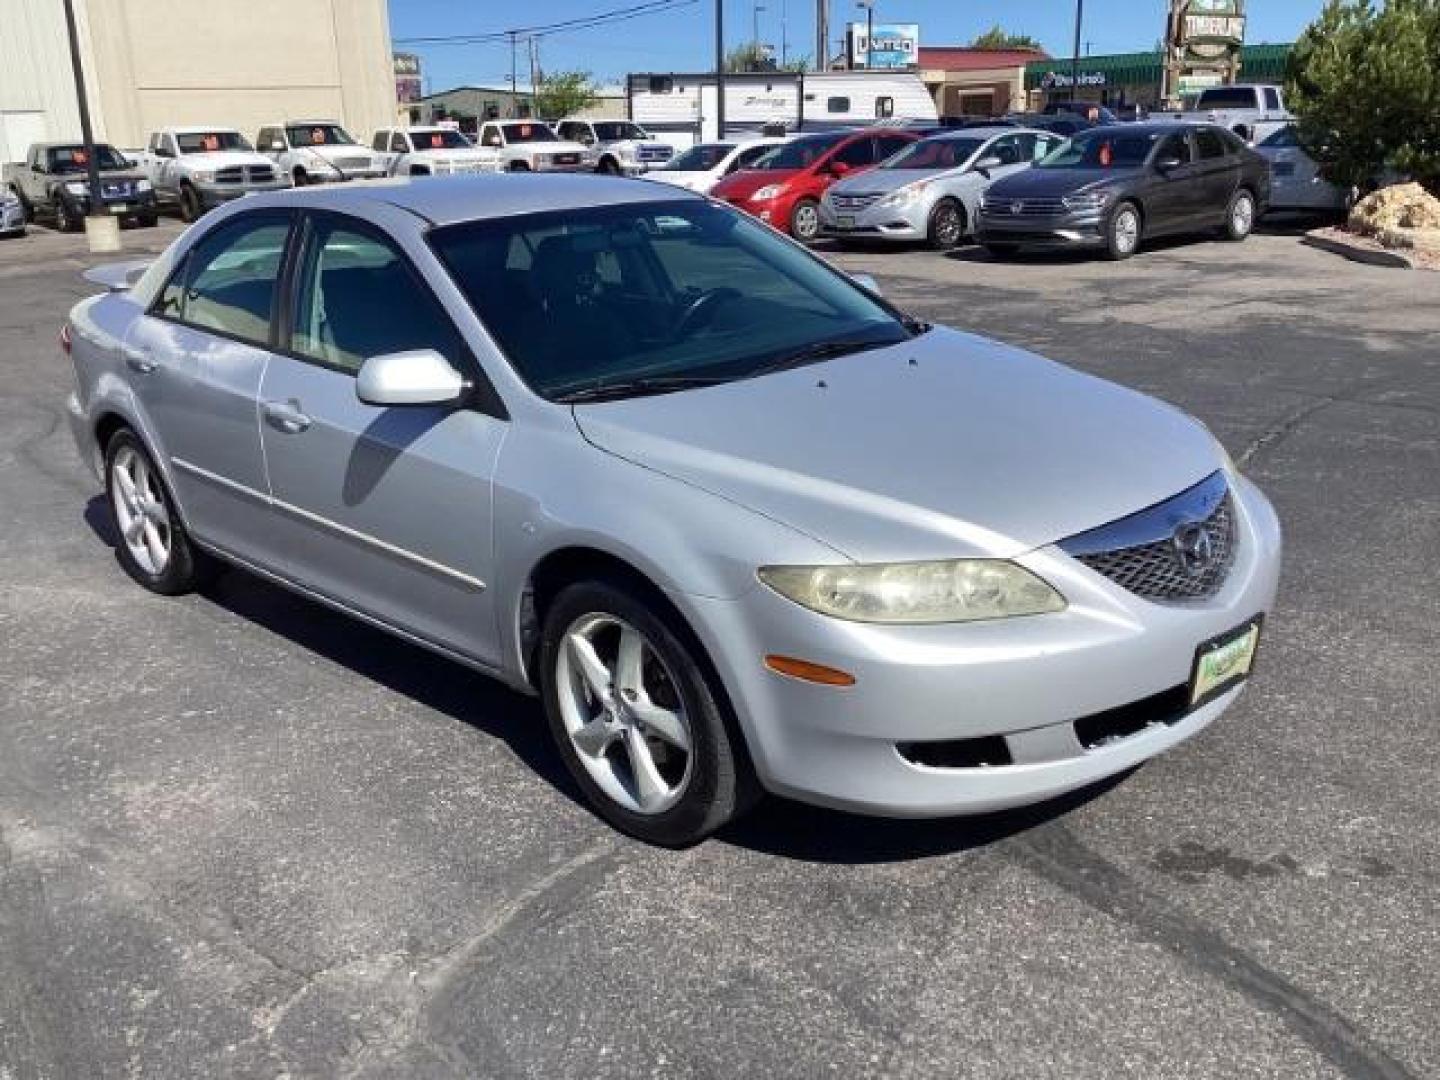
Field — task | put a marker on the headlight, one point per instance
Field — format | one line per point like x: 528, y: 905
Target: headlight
x: 142, y: 185
x: 908, y: 194
x: 1093, y: 200
x: 203, y: 176
x: 952, y: 591
x: 766, y: 193
x: 77, y: 187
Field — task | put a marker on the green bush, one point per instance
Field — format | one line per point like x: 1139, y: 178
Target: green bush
x: 1364, y: 84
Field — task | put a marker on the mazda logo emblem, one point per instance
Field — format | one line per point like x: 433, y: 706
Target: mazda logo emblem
x: 1194, y: 547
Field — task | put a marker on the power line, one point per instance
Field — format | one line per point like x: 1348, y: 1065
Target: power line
x: 582, y: 22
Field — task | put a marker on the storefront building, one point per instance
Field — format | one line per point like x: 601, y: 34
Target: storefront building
x: 966, y: 81
x: 1129, y: 79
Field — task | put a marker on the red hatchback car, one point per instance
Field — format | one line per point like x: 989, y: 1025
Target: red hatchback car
x: 784, y: 187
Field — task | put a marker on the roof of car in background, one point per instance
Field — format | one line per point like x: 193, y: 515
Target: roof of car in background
x: 476, y: 197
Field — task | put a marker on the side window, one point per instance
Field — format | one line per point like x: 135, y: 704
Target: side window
x: 884, y: 108
x: 856, y: 154
x: 837, y: 104
x: 749, y: 155
x: 1272, y: 99
x: 1007, y: 150
x: 358, y: 298
x: 1043, y: 145
x: 267, y: 136
x: 1210, y: 144
x: 227, y: 282
x: 1174, y: 146
x: 378, y: 143
x: 398, y: 144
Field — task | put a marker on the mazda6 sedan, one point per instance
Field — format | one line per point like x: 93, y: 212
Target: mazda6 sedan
x: 739, y: 522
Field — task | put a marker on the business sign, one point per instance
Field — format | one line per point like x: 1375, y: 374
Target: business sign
x: 408, y: 81
x: 1060, y: 80
x: 1211, y: 29
x: 896, y: 45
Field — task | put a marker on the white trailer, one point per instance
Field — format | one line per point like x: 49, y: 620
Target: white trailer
x: 681, y: 108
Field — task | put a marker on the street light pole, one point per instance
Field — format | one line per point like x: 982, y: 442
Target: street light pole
x: 87, y: 135
x: 869, y: 6
x: 1075, y: 56
x: 719, y: 69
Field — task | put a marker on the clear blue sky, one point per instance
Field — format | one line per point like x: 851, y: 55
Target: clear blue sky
x: 680, y: 40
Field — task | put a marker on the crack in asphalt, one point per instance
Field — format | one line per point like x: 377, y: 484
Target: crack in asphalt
x: 1054, y: 853
x: 1280, y: 431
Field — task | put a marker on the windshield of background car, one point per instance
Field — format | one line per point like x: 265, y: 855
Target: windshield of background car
x: 1283, y: 137
x: 523, y: 132
x: 1101, y: 148
x: 1227, y: 97
x: 318, y: 135
x: 72, y: 159
x: 444, y: 139
x: 700, y: 158
x: 944, y: 153
x: 614, y: 130
x: 208, y: 142
x: 799, y: 154
x: 584, y: 298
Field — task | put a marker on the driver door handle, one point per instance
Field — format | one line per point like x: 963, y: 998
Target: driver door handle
x: 286, y: 416
x: 140, y: 361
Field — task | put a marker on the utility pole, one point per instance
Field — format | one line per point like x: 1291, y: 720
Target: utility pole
x: 784, y: 37
x: 1075, y: 56
x: 535, y: 72
x: 822, y: 35
x: 87, y: 136
x: 755, y: 10
x: 719, y: 69
x: 514, y: 107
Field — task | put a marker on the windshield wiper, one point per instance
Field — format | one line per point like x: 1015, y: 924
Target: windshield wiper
x: 638, y: 387
x: 815, y: 353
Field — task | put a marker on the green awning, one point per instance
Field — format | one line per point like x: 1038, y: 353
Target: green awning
x: 1258, y: 63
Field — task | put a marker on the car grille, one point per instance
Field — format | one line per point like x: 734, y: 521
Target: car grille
x: 1021, y: 208
x: 116, y: 189
x: 1159, y: 554
x: 353, y: 163
x: 849, y: 204
x: 654, y: 153
x: 565, y: 159
x: 260, y: 174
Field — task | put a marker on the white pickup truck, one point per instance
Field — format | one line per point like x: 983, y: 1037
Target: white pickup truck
x: 429, y: 151
x: 1239, y: 108
x: 618, y: 146
x: 197, y: 168
x: 317, y: 152
x: 530, y: 146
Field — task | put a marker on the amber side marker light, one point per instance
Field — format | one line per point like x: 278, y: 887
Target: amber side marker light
x: 808, y: 672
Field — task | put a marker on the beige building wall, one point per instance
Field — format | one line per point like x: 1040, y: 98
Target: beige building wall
x: 239, y: 63
x: 992, y: 91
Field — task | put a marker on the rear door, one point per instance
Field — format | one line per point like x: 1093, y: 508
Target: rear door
x: 196, y: 359
x: 385, y: 509
x: 1219, y: 173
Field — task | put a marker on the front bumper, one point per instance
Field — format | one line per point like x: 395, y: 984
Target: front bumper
x: 1078, y: 229
x: 138, y: 205
x: 876, y: 222
x: 1025, y: 681
x: 212, y: 195
x: 12, y: 218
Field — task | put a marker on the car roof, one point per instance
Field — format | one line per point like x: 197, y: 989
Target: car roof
x: 476, y: 197
x: 983, y: 132
x: 1148, y: 127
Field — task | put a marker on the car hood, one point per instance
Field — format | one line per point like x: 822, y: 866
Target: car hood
x: 219, y: 159
x: 1055, y: 182
x: 748, y: 181
x: 883, y: 180
x: 449, y: 157
x: 695, y: 181
x: 949, y: 445
x: 332, y: 152
x: 560, y: 147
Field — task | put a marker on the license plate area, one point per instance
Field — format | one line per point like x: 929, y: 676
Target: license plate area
x: 1223, y: 662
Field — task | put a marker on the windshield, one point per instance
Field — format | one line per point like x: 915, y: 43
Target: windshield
x: 1227, y: 97
x: 441, y: 139
x: 208, y: 142
x: 944, y: 153
x: 612, y: 130
x: 700, y: 158
x: 799, y: 154
x: 602, y: 296
x: 72, y: 159
x: 1101, y: 148
x: 517, y: 133
x: 318, y: 135
x: 1285, y: 136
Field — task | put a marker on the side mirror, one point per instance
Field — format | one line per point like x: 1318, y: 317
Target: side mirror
x: 414, y: 377
x: 866, y: 282
x: 1168, y: 163
x: 839, y: 168
x: 985, y: 164
x: 277, y: 145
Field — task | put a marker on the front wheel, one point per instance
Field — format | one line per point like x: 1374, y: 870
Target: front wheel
x: 635, y: 718
x: 608, y: 166
x: 519, y: 166
x: 300, y: 177
x: 65, y: 221
x: 190, y: 206
x: 1122, y: 234
x: 947, y: 225
x: 1240, y: 216
x: 805, y: 221
x: 154, y: 548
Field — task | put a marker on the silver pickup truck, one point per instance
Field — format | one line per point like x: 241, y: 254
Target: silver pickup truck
x: 1240, y: 108
x: 197, y: 168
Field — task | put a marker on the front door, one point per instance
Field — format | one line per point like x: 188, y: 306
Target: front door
x: 195, y: 361
x: 387, y: 510
x: 1176, y: 194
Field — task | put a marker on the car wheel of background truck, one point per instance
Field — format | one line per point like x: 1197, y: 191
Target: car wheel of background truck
x: 1122, y: 232
x: 519, y: 166
x: 64, y: 220
x: 301, y: 178
x: 190, y: 206
x: 805, y: 221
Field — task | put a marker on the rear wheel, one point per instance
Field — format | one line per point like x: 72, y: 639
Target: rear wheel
x: 154, y: 548
x: 1122, y: 232
x: 1240, y: 216
x: 947, y: 225
x: 805, y: 221
x: 635, y: 718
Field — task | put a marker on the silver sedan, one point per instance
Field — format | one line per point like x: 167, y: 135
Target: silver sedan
x: 741, y: 524
x: 930, y: 191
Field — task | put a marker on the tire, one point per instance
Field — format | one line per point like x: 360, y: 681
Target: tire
x: 691, y: 792
x: 300, y: 178
x: 608, y: 166
x: 1123, y: 232
x: 519, y: 166
x: 419, y: 170
x: 147, y: 523
x: 946, y: 227
x: 149, y: 221
x: 25, y: 207
x: 64, y: 220
x: 805, y: 221
x: 1240, y: 216
x: 1001, y: 251
x: 190, y: 205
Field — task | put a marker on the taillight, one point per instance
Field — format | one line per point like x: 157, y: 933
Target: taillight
x: 65, y: 338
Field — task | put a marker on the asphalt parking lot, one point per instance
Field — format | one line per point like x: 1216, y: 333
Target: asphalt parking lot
x: 243, y: 836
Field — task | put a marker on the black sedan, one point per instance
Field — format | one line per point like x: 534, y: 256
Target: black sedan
x: 1112, y: 187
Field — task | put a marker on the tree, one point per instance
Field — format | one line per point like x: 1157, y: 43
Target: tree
x: 749, y: 57
x: 1364, y: 84
x: 564, y: 93
x: 997, y: 38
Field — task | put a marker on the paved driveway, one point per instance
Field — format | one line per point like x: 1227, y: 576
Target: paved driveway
x: 242, y: 836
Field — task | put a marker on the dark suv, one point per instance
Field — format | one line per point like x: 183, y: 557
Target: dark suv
x: 1113, y: 186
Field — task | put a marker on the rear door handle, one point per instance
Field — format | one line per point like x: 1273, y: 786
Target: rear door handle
x: 286, y: 416
x: 140, y: 361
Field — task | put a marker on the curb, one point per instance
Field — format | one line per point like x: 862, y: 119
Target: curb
x: 1358, y: 253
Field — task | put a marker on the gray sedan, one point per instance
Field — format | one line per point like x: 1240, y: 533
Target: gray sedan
x: 930, y: 191
x: 739, y: 522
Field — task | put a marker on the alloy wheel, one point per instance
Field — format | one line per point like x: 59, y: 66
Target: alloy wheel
x: 805, y: 222
x: 1127, y: 231
x: 1242, y: 216
x: 947, y: 226
x: 621, y: 707
x: 140, y: 511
